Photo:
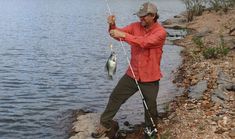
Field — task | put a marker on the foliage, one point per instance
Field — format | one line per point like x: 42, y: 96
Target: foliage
x: 201, y: 127
x: 221, y: 4
x: 216, y: 52
x: 210, y: 52
x: 198, y: 41
x: 196, y: 7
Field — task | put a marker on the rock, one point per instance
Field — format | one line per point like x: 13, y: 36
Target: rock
x: 206, y: 104
x: 194, y: 81
x: 209, y: 113
x: 177, y: 20
x: 232, y: 133
x: 178, y: 16
x: 232, y: 113
x: 225, y: 84
x: 166, y: 121
x: 203, y: 32
x: 173, y: 115
x: 172, y: 106
x: 216, y: 118
x: 175, y: 26
x: 213, y: 123
x: 215, y: 99
x: 225, y: 120
x: 219, y: 131
x: 196, y: 91
x: 220, y: 94
x: 85, y: 125
x: 232, y: 32
x: 175, y: 23
x: 167, y: 22
x: 230, y: 87
x: 223, y: 78
x: 229, y: 41
x: 191, y: 106
x: 176, y: 34
x: 210, y: 86
x: 126, y: 123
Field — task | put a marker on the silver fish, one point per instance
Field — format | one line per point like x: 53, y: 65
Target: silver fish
x: 111, y: 65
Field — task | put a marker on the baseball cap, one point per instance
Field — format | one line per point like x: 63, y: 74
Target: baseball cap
x: 146, y: 8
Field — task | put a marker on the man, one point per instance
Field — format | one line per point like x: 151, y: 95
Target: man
x: 146, y: 39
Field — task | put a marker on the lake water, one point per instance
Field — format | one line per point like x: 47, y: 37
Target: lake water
x: 52, y: 57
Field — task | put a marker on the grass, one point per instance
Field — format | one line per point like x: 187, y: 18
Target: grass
x: 221, y: 4
x: 207, y: 52
x: 198, y: 41
x: 216, y: 52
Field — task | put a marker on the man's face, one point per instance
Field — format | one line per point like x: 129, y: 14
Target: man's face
x: 147, y: 20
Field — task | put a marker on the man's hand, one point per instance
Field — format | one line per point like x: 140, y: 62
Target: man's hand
x: 111, y: 20
x: 117, y: 33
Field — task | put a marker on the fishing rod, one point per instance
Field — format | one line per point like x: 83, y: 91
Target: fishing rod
x: 149, y: 131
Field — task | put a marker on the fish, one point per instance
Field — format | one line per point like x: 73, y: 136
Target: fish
x: 111, y: 65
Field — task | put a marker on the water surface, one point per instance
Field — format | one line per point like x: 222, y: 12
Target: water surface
x: 52, y: 57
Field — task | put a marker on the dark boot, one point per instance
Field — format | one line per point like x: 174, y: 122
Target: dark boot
x: 102, y: 131
x: 112, y: 134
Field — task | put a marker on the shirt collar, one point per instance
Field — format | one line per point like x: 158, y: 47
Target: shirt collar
x: 151, y: 27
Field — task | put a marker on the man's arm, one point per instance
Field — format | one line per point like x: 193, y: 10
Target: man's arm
x: 155, y: 39
x: 114, y: 31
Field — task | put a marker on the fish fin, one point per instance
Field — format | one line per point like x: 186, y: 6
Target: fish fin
x: 106, y: 66
x: 115, y: 69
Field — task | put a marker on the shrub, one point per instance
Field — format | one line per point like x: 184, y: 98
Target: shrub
x: 216, y: 52
x: 194, y: 8
x: 210, y: 52
x: 221, y: 4
x: 198, y: 41
x: 215, y: 4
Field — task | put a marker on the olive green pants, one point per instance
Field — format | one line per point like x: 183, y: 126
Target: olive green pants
x: 125, y: 88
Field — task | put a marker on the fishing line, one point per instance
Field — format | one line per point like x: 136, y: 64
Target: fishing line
x: 138, y: 86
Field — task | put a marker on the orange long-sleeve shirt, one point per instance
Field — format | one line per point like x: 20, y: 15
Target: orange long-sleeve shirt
x: 146, y: 50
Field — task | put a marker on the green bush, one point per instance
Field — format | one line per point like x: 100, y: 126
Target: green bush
x: 215, y: 52
x: 215, y: 4
x: 211, y: 52
x: 221, y: 4
x: 196, y: 7
x: 198, y: 41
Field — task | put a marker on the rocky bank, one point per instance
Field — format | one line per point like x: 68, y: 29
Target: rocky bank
x: 207, y: 108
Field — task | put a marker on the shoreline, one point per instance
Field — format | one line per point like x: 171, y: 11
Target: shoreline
x: 206, y: 109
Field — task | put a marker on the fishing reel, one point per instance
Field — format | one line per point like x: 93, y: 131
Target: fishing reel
x: 151, y: 134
